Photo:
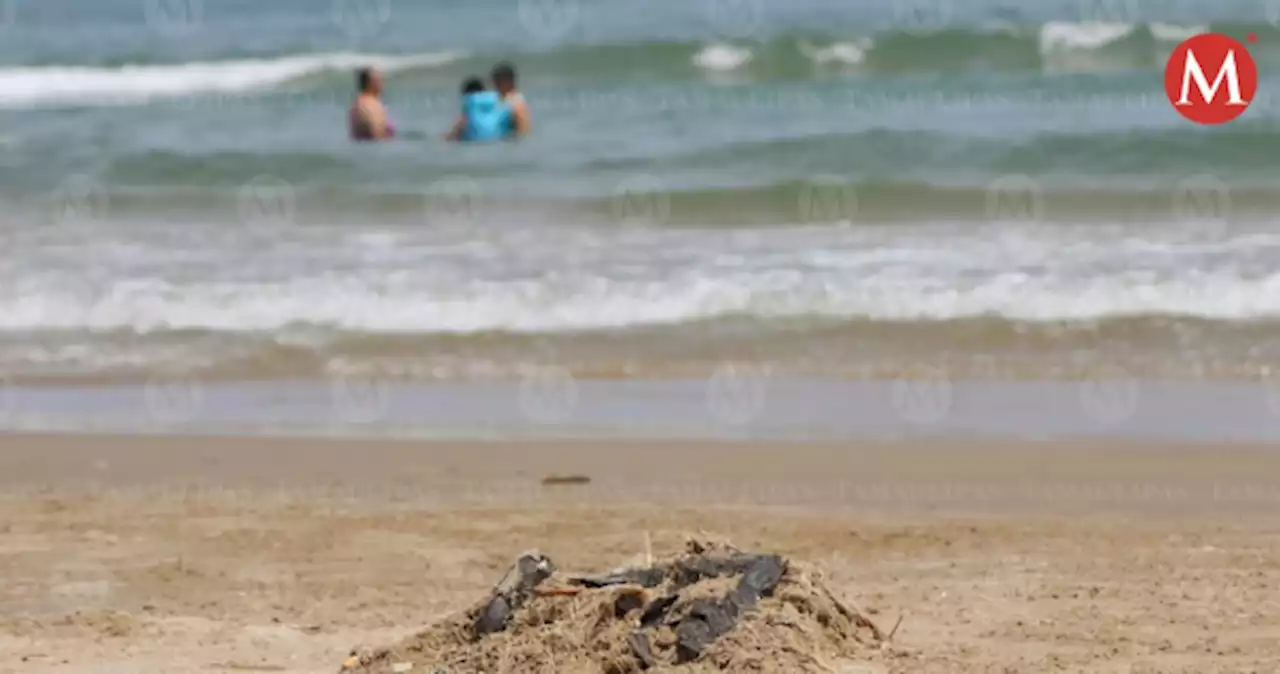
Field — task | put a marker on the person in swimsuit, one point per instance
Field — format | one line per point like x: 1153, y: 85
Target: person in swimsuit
x: 484, y: 116
x: 367, y: 119
x: 504, y: 80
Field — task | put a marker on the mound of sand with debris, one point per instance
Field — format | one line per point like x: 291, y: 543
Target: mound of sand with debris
x: 712, y: 608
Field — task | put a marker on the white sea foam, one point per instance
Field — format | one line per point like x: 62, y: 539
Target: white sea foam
x: 599, y: 303
x: 722, y: 57
x: 846, y: 53
x: 32, y: 86
x: 1169, y: 32
x: 660, y: 278
x: 1057, y: 36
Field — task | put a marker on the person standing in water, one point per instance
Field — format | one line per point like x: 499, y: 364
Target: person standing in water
x: 367, y: 118
x: 504, y: 80
x: 484, y: 115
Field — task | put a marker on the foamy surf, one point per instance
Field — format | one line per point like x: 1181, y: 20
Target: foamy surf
x: 1060, y: 36
x: 604, y: 304
x: 26, y: 87
x: 863, y: 321
x: 821, y: 272
x: 722, y: 57
x: 1168, y: 32
x: 839, y: 53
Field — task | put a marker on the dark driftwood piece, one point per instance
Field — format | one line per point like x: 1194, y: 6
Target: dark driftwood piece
x: 626, y: 602
x: 709, y: 619
x: 640, y: 647
x: 683, y: 572
x: 657, y: 610
x: 512, y: 592
x: 759, y: 580
x: 649, y: 578
x: 692, y: 569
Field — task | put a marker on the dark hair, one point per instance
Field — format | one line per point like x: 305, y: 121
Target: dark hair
x: 503, y: 72
x: 472, y: 85
x: 363, y: 77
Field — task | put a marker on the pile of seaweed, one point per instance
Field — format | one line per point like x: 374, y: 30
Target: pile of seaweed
x: 711, y: 608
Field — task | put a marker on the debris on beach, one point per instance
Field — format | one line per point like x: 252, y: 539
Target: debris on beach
x: 712, y: 608
x: 562, y: 480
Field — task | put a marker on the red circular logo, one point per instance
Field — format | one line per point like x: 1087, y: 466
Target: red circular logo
x: 1210, y: 78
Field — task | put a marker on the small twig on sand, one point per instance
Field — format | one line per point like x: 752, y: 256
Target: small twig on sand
x: 557, y: 592
x: 895, y: 628
x: 246, y: 667
x: 554, y: 480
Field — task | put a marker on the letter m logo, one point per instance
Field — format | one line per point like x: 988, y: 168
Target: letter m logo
x: 1211, y: 79
x: 1193, y: 73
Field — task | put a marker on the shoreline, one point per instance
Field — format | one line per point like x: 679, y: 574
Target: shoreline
x: 738, y: 403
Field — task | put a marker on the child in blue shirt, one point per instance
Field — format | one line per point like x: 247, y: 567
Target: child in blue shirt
x: 484, y: 116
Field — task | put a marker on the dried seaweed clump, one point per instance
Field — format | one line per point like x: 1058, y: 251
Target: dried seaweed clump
x: 712, y: 608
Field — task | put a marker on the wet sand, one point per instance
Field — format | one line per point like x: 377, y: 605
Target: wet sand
x: 739, y: 402
x: 178, y: 554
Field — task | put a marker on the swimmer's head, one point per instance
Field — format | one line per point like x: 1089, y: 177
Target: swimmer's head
x: 472, y: 85
x: 504, y: 78
x: 369, y: 81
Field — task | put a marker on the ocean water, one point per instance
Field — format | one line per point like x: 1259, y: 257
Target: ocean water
x: 847, y: 188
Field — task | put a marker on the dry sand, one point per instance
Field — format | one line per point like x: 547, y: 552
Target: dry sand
x: 236, y: 555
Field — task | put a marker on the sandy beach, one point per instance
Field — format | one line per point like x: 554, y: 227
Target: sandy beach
x: 173, y: 554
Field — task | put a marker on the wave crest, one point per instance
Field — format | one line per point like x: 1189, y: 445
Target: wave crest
x: 23, y: 87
